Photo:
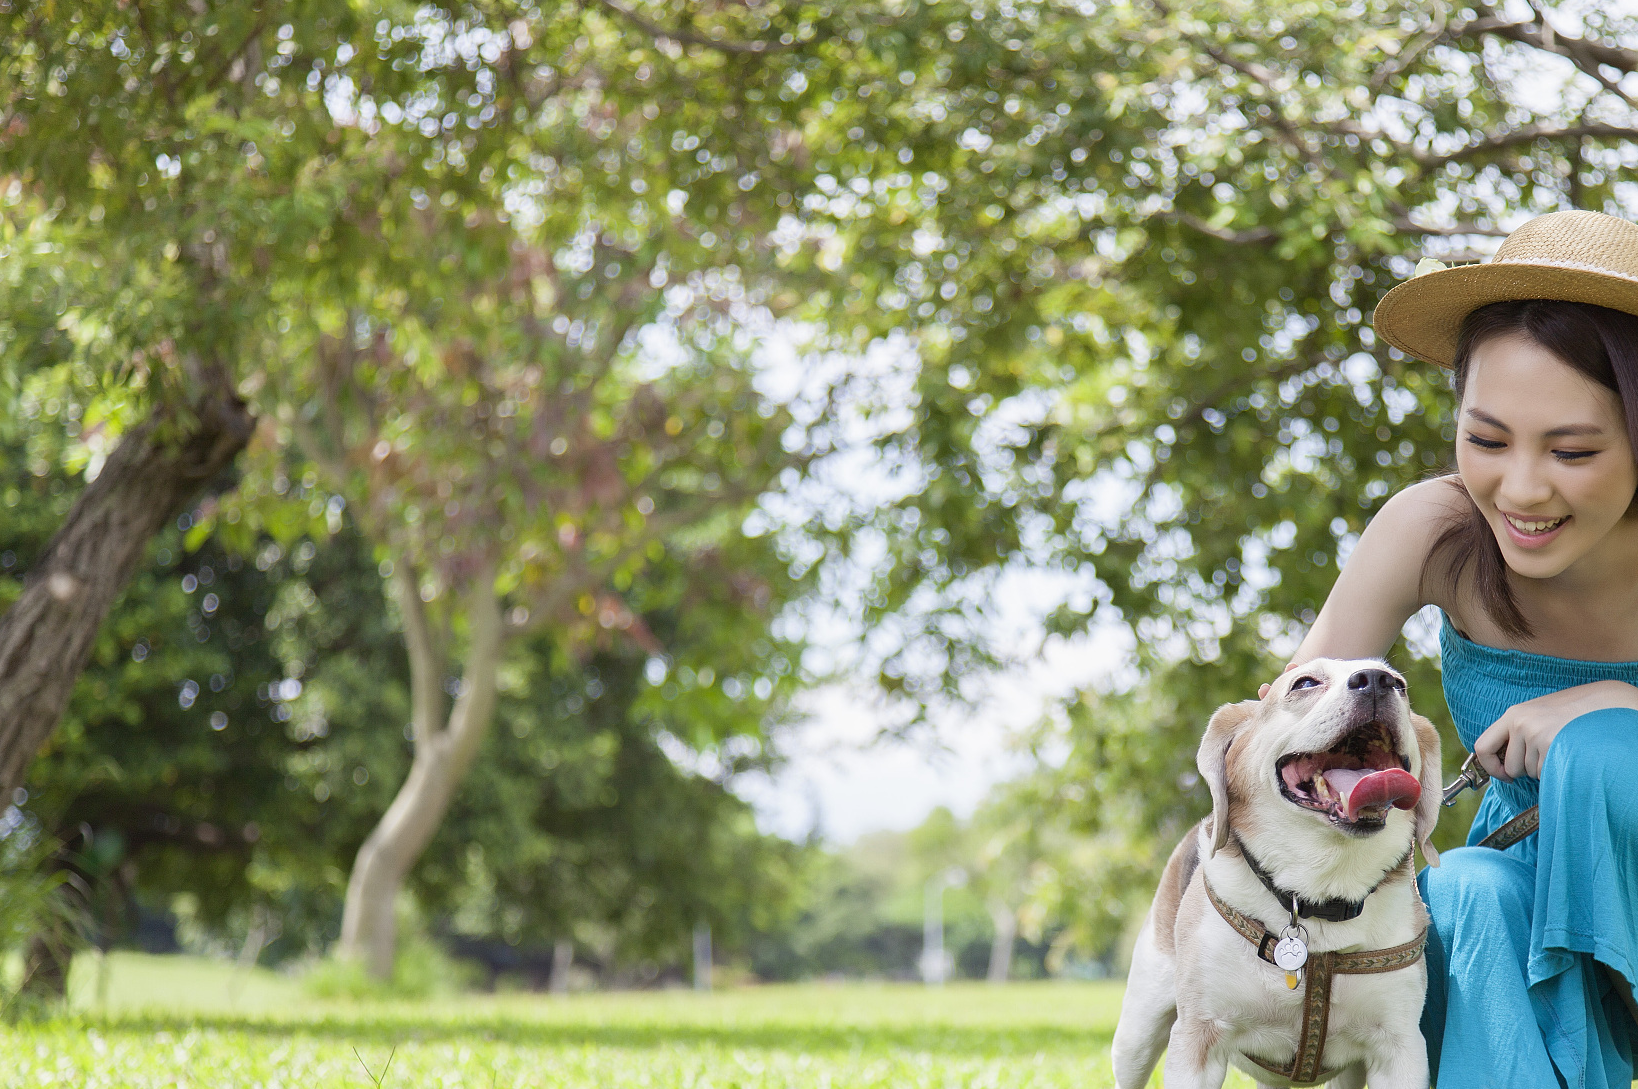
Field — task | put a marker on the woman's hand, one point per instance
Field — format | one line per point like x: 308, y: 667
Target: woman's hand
x: 1516, y: 744
x: 1262, y: 690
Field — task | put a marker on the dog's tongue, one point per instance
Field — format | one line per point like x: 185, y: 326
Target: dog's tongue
x: 1360, y: 789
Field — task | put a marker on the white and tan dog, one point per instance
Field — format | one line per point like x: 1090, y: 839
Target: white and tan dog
x: 1321, y: 786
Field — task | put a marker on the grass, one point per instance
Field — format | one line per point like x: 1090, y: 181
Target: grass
x: 178, y: 1021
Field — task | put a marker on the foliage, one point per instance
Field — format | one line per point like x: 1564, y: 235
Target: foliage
x: 239, y: 729
x: 862, y: 907
x: 42, y: 907
x: 1134, y: 250
x: 422, y: 969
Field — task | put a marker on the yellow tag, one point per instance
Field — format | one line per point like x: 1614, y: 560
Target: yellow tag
x: 1291, y: 981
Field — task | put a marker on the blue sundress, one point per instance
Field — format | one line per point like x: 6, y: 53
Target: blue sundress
x: 1515, y: 1000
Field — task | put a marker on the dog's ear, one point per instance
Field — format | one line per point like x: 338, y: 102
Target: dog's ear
x: 1431, y: 801
x: 1212, y: 760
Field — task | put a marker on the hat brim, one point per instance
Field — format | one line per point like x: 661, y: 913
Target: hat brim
x: 1422, y: 316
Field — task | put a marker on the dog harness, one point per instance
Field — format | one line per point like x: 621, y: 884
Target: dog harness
x: 1304, y: 1069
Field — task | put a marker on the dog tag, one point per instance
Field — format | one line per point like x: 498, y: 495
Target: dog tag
x: 1291, y: 952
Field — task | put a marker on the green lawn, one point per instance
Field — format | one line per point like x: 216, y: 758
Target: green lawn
x: 176, y: 1021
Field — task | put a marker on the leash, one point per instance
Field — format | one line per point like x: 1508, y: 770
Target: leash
x: 1472, y: 777
x: 1304, y: 1069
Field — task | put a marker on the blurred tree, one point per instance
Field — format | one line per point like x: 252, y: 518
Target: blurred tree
x: 860, y: 908
x: 224, y: 745
x: 425, y: 243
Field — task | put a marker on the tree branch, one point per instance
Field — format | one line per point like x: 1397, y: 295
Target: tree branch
x: 1409, y: 54
x: 1249, y: 236
x: 686, y: 38
x: 475, y: 706
x: 1528, y: 135
x: 426, y: 664
x: 1403, y: 223
x: 1266, y: 79
x: 1588, y: 56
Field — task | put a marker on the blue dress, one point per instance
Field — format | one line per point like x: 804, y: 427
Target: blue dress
x: 1515, y: 1000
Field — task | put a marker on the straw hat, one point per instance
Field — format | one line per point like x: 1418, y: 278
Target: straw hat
x: 1584, y: 257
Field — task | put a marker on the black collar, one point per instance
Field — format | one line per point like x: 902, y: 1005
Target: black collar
x: 1336, y: 910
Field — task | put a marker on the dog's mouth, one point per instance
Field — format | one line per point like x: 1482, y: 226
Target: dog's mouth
x: 1354, y: 783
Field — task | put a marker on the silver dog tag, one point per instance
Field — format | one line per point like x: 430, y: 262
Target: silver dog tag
x: 1290, y: 952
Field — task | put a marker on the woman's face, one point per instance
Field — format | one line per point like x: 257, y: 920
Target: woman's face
x: 1543, y: 451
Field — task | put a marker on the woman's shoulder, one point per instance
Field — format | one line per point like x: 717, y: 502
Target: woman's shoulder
x: 1419, y: 520
x: 1406, y: 529
x: 1428, y: 504
x: 1393, y: 552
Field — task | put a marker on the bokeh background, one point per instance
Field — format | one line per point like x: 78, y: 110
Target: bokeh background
x: 515, y: 496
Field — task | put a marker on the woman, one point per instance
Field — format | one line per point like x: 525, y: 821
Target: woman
x: 1531, y: 551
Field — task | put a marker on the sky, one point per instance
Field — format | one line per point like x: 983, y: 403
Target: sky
x: 843, y: 780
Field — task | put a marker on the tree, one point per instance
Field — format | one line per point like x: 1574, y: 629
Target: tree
x: 225, y: 744
x: 375, y: 163
x: 159, y: 177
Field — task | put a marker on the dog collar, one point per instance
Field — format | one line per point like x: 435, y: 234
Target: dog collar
x: 1335, y: 910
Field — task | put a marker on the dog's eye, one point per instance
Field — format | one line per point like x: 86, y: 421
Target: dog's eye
x: 1304, y: 682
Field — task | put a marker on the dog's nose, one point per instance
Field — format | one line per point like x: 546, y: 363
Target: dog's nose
x: 1375, y: 682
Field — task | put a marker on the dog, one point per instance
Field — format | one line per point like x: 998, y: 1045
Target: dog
x: 1318, y: 792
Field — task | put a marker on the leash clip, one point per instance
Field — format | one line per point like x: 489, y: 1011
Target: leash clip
x: 1471, y: 777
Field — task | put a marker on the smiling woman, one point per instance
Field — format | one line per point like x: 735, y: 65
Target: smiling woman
x: 1544, y: 449
x: 1531, y: 551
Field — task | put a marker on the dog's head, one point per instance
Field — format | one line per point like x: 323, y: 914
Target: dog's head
x: 1336, y: 743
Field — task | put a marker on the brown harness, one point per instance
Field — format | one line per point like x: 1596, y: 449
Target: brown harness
x: 1304, y: 1068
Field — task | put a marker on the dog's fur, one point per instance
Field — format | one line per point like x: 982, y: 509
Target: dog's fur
x: 1197, y: 988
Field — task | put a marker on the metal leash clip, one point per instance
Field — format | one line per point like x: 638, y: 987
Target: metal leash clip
x: 1472, y: 777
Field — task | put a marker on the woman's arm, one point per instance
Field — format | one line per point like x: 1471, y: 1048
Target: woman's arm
x: 1380, y: 587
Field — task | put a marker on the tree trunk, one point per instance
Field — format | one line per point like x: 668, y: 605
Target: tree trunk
x: 562, y: 958
x: 702, y: 957
x: 443, y: 754
x: 47, y: 634
x: 1006, y: 932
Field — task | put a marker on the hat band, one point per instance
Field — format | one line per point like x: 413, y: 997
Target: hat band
x: 1572, y: 266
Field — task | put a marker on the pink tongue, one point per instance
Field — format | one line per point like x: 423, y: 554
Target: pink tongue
x: 1360, y: 789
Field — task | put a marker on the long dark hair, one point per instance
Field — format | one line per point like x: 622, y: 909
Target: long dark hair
x: 1594, y: 340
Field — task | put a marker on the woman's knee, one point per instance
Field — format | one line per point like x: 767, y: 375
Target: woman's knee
x: 1477, y: 887
x: 1597, y: 746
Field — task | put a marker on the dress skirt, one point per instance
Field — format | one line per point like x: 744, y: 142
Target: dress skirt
x: 1524, y: 942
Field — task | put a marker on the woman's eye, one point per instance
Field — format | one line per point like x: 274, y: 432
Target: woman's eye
x: 1573, y: 455
x: 1304, y: 682
x: 1485, y: 444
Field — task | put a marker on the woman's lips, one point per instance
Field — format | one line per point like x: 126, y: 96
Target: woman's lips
x: 1525, y: 538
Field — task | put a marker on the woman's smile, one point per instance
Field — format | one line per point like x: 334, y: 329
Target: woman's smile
x: 1532, y: 532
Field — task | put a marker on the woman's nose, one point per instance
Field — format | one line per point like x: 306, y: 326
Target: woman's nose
x: 1524, y: 485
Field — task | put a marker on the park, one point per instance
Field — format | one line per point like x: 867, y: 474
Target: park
x: 654, y: 543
